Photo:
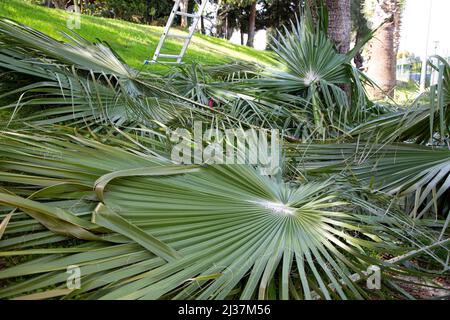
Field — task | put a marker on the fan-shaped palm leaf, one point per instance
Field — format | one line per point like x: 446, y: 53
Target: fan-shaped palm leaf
x: 151, y: 230
x: 313, y: 71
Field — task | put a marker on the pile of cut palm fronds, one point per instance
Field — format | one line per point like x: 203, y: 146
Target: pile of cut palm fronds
x: 87, y: 180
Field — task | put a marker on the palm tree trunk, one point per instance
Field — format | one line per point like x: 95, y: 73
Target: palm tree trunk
x: 252, y: 25
x: 339, y: 23
x: 397, y: 27
x: 339, y: 29
x: 382, y: 62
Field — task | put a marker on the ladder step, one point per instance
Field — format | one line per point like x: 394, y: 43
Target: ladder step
x: 173, y: 56
x: 147, y: 62
x: 170, y: 62
x: 190, y: 15
x: 180, y: 36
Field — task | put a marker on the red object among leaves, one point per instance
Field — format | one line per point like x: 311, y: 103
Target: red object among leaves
x: 211, y: 103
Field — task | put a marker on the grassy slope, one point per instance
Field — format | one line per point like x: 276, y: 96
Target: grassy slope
x: 134, y: 43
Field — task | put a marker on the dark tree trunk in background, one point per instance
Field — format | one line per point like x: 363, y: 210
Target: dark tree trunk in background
x: 147, y: 12
x: 225, y: 30
x: 252, y: 25
x: 339, y: 23
x: 226, y: 27
x: 202, y: 25
x: 229, y: 32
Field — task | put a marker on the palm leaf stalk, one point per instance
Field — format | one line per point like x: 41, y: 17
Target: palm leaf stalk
x: 221, y: 86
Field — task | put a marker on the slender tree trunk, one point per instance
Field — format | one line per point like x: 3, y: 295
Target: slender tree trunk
x: 252, y: 25
x: 242, y: 33
x: 217, y: 18
x: 230, y: 32
x: 382, y: 63
x: 184, y: 8
x: 360, y: 23
x: 226, y: 27
x: 339, y: 23
x: 147, y: 12
x: 202, y: 25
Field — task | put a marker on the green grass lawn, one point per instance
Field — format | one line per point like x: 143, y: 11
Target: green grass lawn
x: 133, y: 42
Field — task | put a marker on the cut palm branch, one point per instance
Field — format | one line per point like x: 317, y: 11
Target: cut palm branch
x: 81, y: 83
x: 317, y: 76
x: 165, y: 232
x: 426, y: 121
x: 395, y: 169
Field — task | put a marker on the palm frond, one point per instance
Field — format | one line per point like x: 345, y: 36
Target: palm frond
x: 425, y: 121
x: 77, y: 82
x: 321, y: 80
x: 150, y: 230
x: 396, y: 169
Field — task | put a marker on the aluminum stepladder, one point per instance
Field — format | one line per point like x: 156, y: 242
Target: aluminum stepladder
x: 187, y: 38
